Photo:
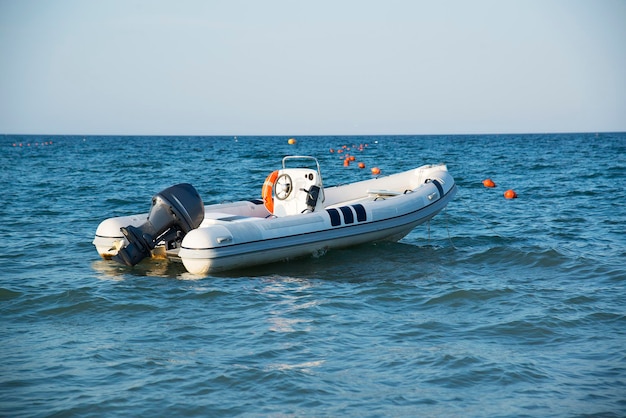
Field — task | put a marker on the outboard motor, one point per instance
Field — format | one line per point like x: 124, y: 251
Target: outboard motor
x: 175, y: 211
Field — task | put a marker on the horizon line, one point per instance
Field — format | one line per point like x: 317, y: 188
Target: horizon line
x: 312, y: 135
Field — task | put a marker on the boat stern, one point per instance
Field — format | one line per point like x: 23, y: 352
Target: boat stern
x: 109, y: 238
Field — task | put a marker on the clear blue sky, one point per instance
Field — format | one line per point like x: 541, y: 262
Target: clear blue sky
x: 291, y: 67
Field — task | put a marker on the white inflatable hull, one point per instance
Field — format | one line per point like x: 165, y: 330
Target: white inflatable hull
x: 243, y: 234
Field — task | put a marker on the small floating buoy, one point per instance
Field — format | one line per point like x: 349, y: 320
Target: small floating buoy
x: 332, y: 150
x: 291, y: 141
x: 489, y: 183
x: 346, y: 162
x: 352, y: 158
x: 361, y: 165
x: 375, y: 171
x: 510, y: 194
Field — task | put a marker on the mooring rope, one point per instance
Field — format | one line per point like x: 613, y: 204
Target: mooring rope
x: 448, y: 229
x: 476, y: 216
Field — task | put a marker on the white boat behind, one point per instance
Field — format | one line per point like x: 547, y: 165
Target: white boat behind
x: 297, y: 216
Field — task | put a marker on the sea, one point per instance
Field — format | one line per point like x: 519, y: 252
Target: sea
x: 495, y: 308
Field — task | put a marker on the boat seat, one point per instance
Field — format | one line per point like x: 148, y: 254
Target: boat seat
x: 213, y: 218
x: 382, y: 193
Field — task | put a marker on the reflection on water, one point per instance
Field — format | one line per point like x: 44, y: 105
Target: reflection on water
x: 155, y: 267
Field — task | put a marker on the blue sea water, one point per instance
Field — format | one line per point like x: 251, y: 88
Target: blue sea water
x: 495, y: 308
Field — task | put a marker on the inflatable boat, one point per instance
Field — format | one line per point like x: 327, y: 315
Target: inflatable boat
x: 296, y: 216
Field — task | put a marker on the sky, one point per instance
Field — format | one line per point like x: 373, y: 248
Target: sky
x: 324, y: 67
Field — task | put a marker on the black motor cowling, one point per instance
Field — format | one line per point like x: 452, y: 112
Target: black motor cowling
x: 175, y: 211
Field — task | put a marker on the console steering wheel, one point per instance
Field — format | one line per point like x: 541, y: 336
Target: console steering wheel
x: 283, y: 187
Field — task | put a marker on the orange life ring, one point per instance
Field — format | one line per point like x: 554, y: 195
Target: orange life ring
x: 268, y: 187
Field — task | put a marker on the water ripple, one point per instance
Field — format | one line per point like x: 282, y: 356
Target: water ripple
x: 497, y: 308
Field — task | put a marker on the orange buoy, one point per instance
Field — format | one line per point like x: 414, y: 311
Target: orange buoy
x: 361, y: 165
x: 346, y: 162
x: 510, y: 194
x: 352, y: 158
x: 375, y: 171
x: 291, y: 141
x: 489, y: 183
